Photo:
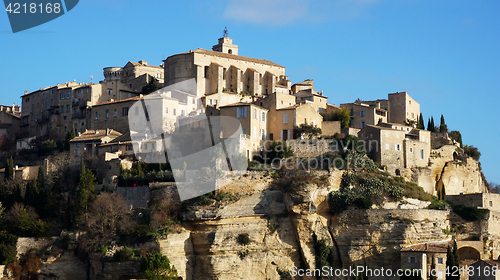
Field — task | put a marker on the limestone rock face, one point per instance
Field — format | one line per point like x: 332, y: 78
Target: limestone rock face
x: 63, y: 266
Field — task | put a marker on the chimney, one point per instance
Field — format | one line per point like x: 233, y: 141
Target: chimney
x: 25, y: 92
x: 17, y: 167
x: 108, y: 131
x: 143, y: 62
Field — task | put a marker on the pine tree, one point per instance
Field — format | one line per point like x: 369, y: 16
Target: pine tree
x: 442, y: 126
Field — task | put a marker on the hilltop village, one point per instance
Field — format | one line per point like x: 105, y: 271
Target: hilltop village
x: 83, y: 198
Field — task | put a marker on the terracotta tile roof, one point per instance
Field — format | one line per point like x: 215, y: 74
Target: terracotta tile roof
x: 428, y: 247
x: 94, y: 135
x: 242, y: 104
x: 118, y: 101
x: 289, y: 107
x: 231, y: 56
x: 138, y: 64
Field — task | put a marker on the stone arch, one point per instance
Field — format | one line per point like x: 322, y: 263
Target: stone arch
x: 469, y: 253
x: 398, y: 172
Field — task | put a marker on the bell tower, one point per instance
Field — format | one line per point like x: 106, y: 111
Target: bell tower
x: 225, y: 45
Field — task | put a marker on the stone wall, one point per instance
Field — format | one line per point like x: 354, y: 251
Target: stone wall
x: 330, y: 128
x: 136, y: 197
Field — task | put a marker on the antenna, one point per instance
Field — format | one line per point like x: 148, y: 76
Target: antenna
x: 225, y: 34
x: 91, y: 78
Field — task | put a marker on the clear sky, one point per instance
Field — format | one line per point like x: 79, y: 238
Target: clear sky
x: 445, y: 54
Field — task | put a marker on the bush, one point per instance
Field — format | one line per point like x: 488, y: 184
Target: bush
x: 284, y: 274
x: 103, y: 250
x: 324, y: 253
x: 7, y: 254
x: 470, y: 213
x: 158, y: 267
x: 124, y: 254
x: 244, y: 253
x: 243, y: 239
x: 65, y: 242
x: 472, y: 151
x: 279, y: 149
x: 8, y: 239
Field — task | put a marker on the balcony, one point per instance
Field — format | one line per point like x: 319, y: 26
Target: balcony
x: 81, y: 115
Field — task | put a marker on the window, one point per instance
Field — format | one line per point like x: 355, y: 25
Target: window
x: 96, y: 115
x: 440, y: 260
x: 271, y: 136
x: 263, y: 134
x: 387, y: 146
x: 116, y: 112
x: 166, y: 110
x: 491, y: 203
x: 183, y: 112
x: 362, y: 124
x: 241, y: 112
x: 285, y: 118
x: 224, y: 73
x: 413, y: 260
x: 67, y: 108
x: 263, y: 116
x: 255, y: 113
x: 397, y: 147
x: 205, y: 75
x: 77, y: 151
x: 109, y: 91
x: 107, y: 114
x: 125, y: 111
x: 361, y: 113
x: 421, y: 154
x: 411, y: 150
x: 175, y: 112
x: 153, y: 146
x: 255, y: 132
x: 62, y: 109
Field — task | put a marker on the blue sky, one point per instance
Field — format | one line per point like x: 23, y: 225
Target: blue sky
x: 445, y: 54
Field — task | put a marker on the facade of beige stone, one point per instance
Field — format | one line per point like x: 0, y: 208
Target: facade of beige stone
x: 403, y: 108
x: 222, y: 70
x: 87, y: 143
x: 421, y: 256
x: 254, y: 120
x: 363, y: 114
x: 289, y: 117
x: 304, y: 93
x: 397, y: 146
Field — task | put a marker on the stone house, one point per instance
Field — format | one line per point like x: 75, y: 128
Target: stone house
x: 420, y: 257
x: 112, y: 114
x: 254, y: 125
x: 484, y: 270
x: 402, y: 108
x: 223, y: 70
x: 363, y: 114
x: 9, y: 122
x: 87, y: 143
x: 289, y: 117
x: 121, y: 146
x: 25, y: 173
x: 396, y: 146
x: 304, y: 92
x: 489, y: 201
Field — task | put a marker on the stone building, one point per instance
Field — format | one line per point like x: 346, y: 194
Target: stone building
x: 420, y: 257
x: 489, y: 201
x: 397, y: 146
x: 304, y: 92
x: 285, y: 119
x: 254, y: 125
x: 484, y: 270
x: 403, y: 108
x: 365, y: 113
x: 87, y: 143
x: 223, y: 71
x: 10, y: 120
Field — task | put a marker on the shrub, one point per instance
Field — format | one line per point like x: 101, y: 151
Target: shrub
x: 158, y: 267
x: 243, y: 239
x: 103, y: 250
x: 284, y: 274
x: 244, y: 253
x: 279, y: 149
x: 8, y: 239
x: 65, y: 242
x: 273, y: 227
x: 7, y: 254
x: 124, y: 254
x: 324, y: 253
x: 472, y: 151
x: 470, y: 213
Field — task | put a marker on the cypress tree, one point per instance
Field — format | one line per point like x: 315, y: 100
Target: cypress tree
x: 86, y: 187
x: 442, y: 126
x: 433, y: 271
x: 429, y: 125
x: 9, y: 169
x: 421, y: 122
x: 433, y: 127
x: 31, y: 197
x: 17, y: 194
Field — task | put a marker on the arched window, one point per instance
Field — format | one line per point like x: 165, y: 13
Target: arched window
x: 230, y: 51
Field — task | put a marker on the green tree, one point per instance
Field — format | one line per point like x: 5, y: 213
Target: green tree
x: 457, y: 136
x: 433, y: 127
x: 420, y: 123
x: 452, y: 260
x: 305, y: 129
x: 31, y: 196
x: 429, y: 125
x: 343, y: 115
x: 85, y: 188
x: 442, y: 126
x: 472, y: 151
x: 152, y: 86
x: 157, y: 267
x: 69, y: 136
x: 9, y: 169
x: 279, y: 149
x: 17, y: 194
